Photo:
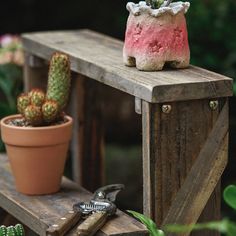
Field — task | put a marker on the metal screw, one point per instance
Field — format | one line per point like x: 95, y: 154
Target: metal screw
x: 63, y: 218
x: 166, y: 109
x: 71, y: 212
x: 55, y: 226
x: 214, y: 105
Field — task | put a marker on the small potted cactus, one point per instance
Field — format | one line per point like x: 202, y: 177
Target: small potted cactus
x: 156, y: 35
x: 37, y: 139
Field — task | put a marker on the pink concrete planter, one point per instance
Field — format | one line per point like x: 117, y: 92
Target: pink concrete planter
x: 156, y: 36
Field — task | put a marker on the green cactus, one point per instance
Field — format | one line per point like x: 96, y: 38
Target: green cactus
x: 39, y: 108
x: 37, y: 97
x: 50, y: 111
x: 19, y: 230
x: 3, y: 230
x: 11, y: 231
x: 59, y: 79
x: 16, y: 230
x: 22, y: 102
x: 33, y: 114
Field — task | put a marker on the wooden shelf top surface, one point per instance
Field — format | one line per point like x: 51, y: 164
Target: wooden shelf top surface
x: 100, y: 57
x: 40, y: 212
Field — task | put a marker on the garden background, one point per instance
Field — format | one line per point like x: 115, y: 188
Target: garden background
x: 212, y: 37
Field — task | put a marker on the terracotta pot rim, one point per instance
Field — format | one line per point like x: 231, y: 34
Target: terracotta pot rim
x: 59, y: 126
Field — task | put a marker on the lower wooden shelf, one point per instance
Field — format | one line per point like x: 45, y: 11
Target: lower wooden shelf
x: 40, y: 212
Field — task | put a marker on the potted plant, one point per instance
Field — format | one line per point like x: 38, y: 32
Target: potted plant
x: 156, y: 34
x: 37, y: 139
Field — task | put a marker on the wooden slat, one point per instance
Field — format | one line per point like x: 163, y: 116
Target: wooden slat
x: 203, y: 177
x: 40, y: 212
x: 100, y: 57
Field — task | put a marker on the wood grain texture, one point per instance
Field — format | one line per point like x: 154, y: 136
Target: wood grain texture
x: 171, y: 144
x: 100, y: 57
x: 90, y: 133
x: 203, y: 176
x: 40, y: 212
x: 35, y: 72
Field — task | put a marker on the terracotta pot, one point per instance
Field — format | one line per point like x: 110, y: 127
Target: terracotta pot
x: 156, y: 36
x: 37, y: 155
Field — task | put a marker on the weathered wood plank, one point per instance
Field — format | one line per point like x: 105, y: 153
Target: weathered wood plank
x: 171, y: 144
x: 35, y: 72
x: 40, y: 212
x: 203, y: 177
x: 90, y: 134
x: 100, y: 57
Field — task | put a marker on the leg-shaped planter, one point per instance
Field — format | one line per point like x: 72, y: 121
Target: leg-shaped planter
x: 156, y: 36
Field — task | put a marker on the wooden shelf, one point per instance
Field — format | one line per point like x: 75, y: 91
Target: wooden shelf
x: 40, y: 212
x: 100, y: 57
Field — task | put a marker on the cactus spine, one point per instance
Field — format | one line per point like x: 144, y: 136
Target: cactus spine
x: 37, y: 97
x: 39, y: 108
x: 33, y: 115
x: 50, y: 110
x: 59, y: 79
x: 22, y: 102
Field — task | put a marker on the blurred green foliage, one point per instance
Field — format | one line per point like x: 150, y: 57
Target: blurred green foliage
x: 212, y: 35
x: 225, y: 226
x: 10, y: 87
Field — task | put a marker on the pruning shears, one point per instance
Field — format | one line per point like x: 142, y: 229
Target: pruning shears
x: 95, y: 213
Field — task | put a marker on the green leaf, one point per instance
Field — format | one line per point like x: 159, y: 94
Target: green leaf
x: 151, y: 226
x: 230, y: 196
x: 225, y: 226
x: 231, y: 229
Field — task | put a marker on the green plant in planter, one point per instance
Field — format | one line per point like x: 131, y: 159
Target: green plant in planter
x: 40, y: 109
x: 155, y: 4
x: 225, y: 226
x: 16, y: 230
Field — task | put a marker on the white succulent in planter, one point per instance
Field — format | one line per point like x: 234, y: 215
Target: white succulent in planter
x: 156, y: 34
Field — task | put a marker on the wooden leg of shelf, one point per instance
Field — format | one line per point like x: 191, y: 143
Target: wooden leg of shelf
x: 88, y: 161
x: 171, y: 144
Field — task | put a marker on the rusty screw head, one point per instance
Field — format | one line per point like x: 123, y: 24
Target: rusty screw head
x: 166, y: 109
x: 214, y: 105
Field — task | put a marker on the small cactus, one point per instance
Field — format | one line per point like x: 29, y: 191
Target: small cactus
x: 16, y: 230
x: 33, y: 115
x: 59, y: 79
x: 19, y: 230
x: 50, y: 111
x: 39, y: 108
x: 11, y: 231
x: 3, y: 230
x: 22, y: 102
x: 37, y: 97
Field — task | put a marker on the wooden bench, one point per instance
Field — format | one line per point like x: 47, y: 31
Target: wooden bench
x: 184, y: 122
x: 41, y: 212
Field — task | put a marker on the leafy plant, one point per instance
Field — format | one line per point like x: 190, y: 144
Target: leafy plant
x: 225, y: 226
x: 150, y: 224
